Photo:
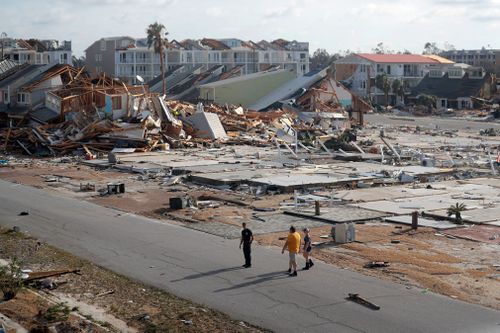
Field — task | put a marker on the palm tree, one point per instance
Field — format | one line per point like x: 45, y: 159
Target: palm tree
x: 427, y: 100
x: 383, y: 83
x: 456, y: 210
x: 155, y: 32
x: 398, y: 89
x: 396, y: 85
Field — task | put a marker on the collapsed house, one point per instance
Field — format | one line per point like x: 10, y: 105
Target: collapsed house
x: 60, y: 109
x: 456, y: 86
x: 24, y: 87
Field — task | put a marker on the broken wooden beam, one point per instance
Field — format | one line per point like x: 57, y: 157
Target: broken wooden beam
x: 360, y: 300
x: 43, y: 275
x: 24, y: 147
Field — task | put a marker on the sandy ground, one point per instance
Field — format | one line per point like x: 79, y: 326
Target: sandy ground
x: 456, y: 268
x: 142, y: 308
x: 424, y: 259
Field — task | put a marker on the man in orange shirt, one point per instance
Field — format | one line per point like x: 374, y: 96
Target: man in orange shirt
x: 293, y: 245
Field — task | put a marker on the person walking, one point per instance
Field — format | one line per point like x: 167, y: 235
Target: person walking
x: 246, y: 241
x: 306, y: 250
x: 293, y: 245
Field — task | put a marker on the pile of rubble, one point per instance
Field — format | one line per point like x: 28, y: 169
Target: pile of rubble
x: 99, y: 115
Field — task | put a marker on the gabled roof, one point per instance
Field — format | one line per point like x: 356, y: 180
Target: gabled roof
x: 115, y: 38
x: 397, y: 58
x: 190, y: 44
x: 22, y: 71
x: 36, y: 45
x: 288, y: 90
x: 7, y: 64
x: 439, y: 59
x: 158, y: 78
x: 66, y: 72
x: 214, y: 44
x: 21, y: 43
x: 252, y: 45
x: 222, y: 81
x: 450, y: 88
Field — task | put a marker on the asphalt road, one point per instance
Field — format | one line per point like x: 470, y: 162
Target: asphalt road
x: 206, y: 269
x: 431, y: 122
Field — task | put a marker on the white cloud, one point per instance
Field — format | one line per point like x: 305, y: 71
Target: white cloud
x: 215, y: 12
x: 333, y: 24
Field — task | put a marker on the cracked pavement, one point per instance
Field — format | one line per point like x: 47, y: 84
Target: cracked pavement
x: 206, y: 269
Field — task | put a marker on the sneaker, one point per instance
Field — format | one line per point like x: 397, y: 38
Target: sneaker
x: 289, y: 271
x: 305, y: 268
x: 293, y: 274
x: 247, y: 266
x: 311, y: 264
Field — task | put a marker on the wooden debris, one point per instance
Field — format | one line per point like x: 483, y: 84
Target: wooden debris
x: 43, y: 275
x: 360, y: 300
x: 377, y: 264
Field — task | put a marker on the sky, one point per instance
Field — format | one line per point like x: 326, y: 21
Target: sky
x: 334, y: 25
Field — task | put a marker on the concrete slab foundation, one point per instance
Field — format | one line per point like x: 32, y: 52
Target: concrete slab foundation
x: 406, y: 219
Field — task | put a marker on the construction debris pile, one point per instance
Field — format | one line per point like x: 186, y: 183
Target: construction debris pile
x: 92, y: 116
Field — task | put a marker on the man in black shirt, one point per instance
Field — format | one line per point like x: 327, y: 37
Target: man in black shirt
x: 246, y: 241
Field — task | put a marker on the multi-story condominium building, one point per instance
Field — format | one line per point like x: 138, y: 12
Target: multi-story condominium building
x: 100, y: 56
x: 489, y: 59
x: 37, y: 52
x: 126, y: 58
x: 359, y: 71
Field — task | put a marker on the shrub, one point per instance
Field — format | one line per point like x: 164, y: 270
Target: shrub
x: 11, y: 279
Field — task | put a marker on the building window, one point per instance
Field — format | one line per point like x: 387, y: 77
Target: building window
x: 389, y: 69
x: 141, y: 69
x: 443, y: 103
x: 435, y: 73
x: 410, y: 70
x: 98, y: 57
x: 117, y: 102
x: 380, y: 69
x: 6, y: 97
x: 455, y: 73
x: 22, y: 98
x: 363, y: 84
x: 103, y: 45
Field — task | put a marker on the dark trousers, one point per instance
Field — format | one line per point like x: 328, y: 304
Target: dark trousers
x: 247, y: 252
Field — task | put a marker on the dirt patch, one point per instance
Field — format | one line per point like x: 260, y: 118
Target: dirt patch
x: 425, y: 259
x: 140, y: 306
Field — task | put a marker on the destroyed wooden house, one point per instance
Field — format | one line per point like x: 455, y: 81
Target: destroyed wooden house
x: 83, y: 112
x: 91, y: 115
x: 24, y: 88
x: 112, y: 98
